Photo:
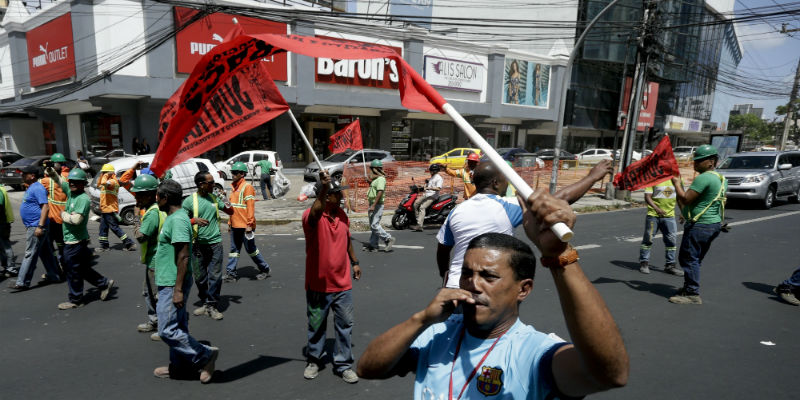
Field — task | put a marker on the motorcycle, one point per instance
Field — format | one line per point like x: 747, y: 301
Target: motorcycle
x: 436, y: 213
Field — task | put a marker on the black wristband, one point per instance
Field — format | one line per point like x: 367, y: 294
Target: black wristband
x: 352, y: 263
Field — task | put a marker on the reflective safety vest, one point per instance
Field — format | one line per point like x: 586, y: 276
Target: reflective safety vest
x: 108, y: 196
x: 56, y: 197
x: 239, y: 198
x: 161, y: 217
x: 196, y: 212
x: 9, y: 211
x: 720, y: 198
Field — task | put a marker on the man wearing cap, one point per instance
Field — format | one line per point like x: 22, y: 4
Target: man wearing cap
x: 33, y: 212
x: 466, y: 173
x: 265, y: 166
x: 432, y: 187
x: 144, y: 189
x: 329, y: 259
x: 375, y: 197
x: 203, y: 207
x: 57, y: 199
x: 242, y: 224
x: 77, y: 255
x: 109, y: 206
x: 704, y: 209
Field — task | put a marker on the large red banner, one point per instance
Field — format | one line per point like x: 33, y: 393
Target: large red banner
x: 647, y: 112
x: 51, y: 52
x: 347, y: 138
x: 194, y: 41
x: 651, y: 170
x: 377, y: 72
x: 219, y: 65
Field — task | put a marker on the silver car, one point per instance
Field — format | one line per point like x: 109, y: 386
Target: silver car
x: 335, y: 162
x: 762, y: 176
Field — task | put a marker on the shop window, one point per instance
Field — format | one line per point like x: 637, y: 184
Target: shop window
x: 49, y: 133
x: 101, y: 132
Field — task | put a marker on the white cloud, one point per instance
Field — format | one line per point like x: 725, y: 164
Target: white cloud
x: 759, y: 37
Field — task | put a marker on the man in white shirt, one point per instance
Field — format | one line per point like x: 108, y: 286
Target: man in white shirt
x: 432, y: 188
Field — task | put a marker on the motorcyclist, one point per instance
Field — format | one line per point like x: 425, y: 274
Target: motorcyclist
x: 432, y: 187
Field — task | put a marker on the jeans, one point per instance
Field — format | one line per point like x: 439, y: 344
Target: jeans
x: 420, y: 205
x: 37, y: 247
x: 376, y: 228
x: 56, y: 233
x: 237, y: 240
x: 150, y: 293
x: 207, y: 268
x: 109, y: 220
x: 668, y: 227
x: 173, y: 328
x: 794, y: 280
x: 78, y: 259
x: 318, y: 306
x: 696, y: 241
x: 266, y: 184
x: 6, y: 252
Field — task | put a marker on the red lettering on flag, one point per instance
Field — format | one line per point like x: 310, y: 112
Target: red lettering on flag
x: 651, y: 170
x: 347, y: 138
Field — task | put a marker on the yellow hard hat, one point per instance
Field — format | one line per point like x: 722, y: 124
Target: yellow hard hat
x: 107, y: 168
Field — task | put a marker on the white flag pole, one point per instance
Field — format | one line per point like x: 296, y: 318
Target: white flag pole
x: 363, y: 153
x: 560, y: 229
x: 305, y: 140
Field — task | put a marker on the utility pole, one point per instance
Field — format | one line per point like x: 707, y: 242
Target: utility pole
x: 790, y: 109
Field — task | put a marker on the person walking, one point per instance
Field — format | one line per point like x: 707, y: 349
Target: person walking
x: 203, y: 206
x: 265, y: 166
x: 242, y: 224
x: 704, y: 208
x: 173, y: 276
x: 661, y: 201
x: 432, y: 187
x: 375, y: 197
x: 34, y: 211
x: 329, y: 260
x: 789, y: 289
x: 77, y: 255
x: 6, y: 219
x: 109, y: 206
x: 57, y: 199
x: 465, y: 173
x: 146, y: 233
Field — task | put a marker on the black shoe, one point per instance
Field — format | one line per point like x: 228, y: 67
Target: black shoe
x: 230, y: 278
x: 17, y: 288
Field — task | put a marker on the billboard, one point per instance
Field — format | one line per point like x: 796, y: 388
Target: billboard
x: 526, y: 83
x: 415, y: 12
x: 378, y: 73
x: 51, y: 52
x: 647, y: 113
x: 446, y: 73
x: 198, y: 38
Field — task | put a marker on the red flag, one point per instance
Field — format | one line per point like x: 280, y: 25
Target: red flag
x: 217, y: 68
x: 651, y: 170
x: 347, y: 138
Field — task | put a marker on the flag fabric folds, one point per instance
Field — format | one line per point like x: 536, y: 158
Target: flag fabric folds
x: 650, y: 170
x: 347, y: 138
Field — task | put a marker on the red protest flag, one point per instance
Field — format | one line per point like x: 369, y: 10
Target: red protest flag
x: 347, y: 138
x: 651, y: 170
x: 218, y: 66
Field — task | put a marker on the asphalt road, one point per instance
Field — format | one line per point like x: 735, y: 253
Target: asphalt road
x: 711, y: 351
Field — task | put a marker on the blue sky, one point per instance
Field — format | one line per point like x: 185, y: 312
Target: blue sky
x: 767, y: 54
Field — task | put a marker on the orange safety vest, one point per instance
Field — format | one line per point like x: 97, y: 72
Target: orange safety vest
x: 243, y: 200
x: 56, y: 198
x: 108, y: 195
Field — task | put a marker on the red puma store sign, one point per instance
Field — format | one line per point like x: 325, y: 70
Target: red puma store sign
x: 51, y: 52
x: 203, y: 35
x: 377, y: 73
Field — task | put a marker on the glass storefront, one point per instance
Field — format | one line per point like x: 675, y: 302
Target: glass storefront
x: 319, y: 129
x: 101, y: 132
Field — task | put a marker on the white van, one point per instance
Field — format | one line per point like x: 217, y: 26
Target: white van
x: 183, y: 173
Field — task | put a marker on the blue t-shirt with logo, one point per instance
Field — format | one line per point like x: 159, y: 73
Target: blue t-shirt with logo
x: 32, y: 203
x: 519, y: 366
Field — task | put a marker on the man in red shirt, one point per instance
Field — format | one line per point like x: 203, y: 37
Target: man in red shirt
x: 329, y: 258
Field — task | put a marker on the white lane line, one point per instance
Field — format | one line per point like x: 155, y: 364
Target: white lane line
x: 403, y: 246
x: 587, y: 246
x: 745, y: 222
x: 301, y: 238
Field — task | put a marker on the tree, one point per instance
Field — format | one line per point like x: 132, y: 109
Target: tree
x: 794, y: 130
x: 751, y: 126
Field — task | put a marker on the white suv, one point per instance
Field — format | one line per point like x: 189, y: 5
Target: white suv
x: 251, y: 159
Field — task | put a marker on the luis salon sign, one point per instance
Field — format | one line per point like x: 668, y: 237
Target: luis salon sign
x: 447, y: 73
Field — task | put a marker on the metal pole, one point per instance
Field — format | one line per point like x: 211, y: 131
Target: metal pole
x: 633, y: 122
x: 562, y: 100
x: 790, y: 110
x: 305, y: 140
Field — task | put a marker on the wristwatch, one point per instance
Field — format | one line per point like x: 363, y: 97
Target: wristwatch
x: 568, y: 257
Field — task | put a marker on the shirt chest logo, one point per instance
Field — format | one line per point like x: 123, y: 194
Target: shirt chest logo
x: 490, y: 381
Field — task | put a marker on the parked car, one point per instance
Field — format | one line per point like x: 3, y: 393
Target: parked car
x: 592, y: 156
x: 455, y: 158
x: 9, y: 157
x: 183, y: 173
x: 95, y: 163
x: 762, y: 176
x: 508, y: 153
x: 335, y: 162
x: 12, y: 174
x: 549, y: 154
x: 683, y: 152
x: 635, y: 156
x: 523, y: 160
x: 251, y: 158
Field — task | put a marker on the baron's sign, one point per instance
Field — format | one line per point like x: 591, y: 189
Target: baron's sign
x: 377, y: 73
x: 51, y: 52
x: 454, y: 74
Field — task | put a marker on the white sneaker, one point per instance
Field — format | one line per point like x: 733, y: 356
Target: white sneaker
x: 349, y: 376
x: 199, y: 311
x: 311, y: 371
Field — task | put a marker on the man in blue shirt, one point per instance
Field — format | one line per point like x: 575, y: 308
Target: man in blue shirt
x: 34, y: 211
x: 487, y: 350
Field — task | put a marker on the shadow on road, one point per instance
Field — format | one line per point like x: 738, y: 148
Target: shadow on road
x: 763, y: 288
x: 248, y: 368
x: 659, y: 289
x: 626, y: 264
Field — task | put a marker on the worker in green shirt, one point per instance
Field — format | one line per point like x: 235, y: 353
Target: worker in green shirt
x: 375, y: 196
x: 704, y: 209
x: 77, y: 254
x: 265, y: 166
x: 146, y: 233
x: 173, y: 276
x: 203, y: 207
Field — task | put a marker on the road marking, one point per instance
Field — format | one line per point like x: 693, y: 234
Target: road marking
x: 403, y: 246
x: 587, y: 246
x: 745, y: 222
x: 301, y: 238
